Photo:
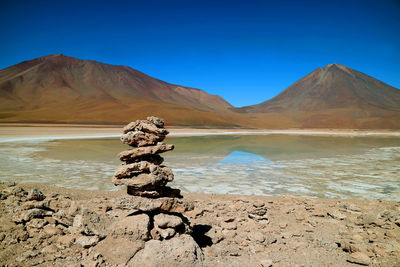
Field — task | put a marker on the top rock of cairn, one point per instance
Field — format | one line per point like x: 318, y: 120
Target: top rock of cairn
x: 141, y: 169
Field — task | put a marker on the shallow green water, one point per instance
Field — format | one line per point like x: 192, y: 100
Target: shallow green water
x: 310, y: 166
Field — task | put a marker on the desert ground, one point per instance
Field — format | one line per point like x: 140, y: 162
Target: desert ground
x: 231, y: 230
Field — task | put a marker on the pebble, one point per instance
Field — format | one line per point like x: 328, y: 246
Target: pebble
x: 359, y: 258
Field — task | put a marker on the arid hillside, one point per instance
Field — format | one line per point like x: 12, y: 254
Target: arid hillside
x: 59, y: 88
x: 335, y: 96
x: 62, y: 89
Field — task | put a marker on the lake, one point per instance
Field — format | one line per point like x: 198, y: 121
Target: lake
x: 307, y: 166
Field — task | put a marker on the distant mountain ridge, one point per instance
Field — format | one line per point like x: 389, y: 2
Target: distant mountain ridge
x: 334, y: 86
x: 64, y: 89
x: 335, y: 96
x: 67, y: 89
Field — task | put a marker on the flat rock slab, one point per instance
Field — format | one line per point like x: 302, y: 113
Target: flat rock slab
x: 154, y: 191
x: 167, y: 221
x: 359, y: 258
x: 134, y: 227
x: 139, y: 139
x: 155, y: 159
x: 152, y: 126
x: 118, y: 250
x: 162, y: 177
x: 144, y: 151
x: 128, y: 171
x: 127, y: 236
x: 178, y: 251
x: 157, y: 204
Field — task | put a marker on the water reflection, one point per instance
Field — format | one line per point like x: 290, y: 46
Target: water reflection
x: 345, y: 167
x: 243, y: 158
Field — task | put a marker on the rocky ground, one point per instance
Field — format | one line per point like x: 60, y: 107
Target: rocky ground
x: 45, y: 225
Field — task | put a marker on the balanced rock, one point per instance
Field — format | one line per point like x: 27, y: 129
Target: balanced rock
x: 138, y: 138
x: 142, y: 174
x: 135, y: 153
x: 155, y: 191
x: 141, y: 170
x: 162, y: 229
x: 167, y: 221
x: 151, y: 205
x: 154, y: 126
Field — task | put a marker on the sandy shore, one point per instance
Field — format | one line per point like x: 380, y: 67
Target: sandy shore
x: 25, y: 132
x: 231, y: 230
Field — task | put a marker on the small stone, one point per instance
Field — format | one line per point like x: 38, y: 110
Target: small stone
x: 300, y: 218
x: 156, y: 121
x: 325, y: 242
x: 66, y: 240
x: 157, y: 204
x: 61, y: 218
x: 229, y: 219
x: 36, y: 194
x: 359, y: 258
x: 378, y: 251
x: 366, y: 219
x: 354, y: 208
x: 144, y: 151
x: 143, y: 174
x: 229, y: 225
x: 215, y: 235
x: 282, y: 225
x: 143, y: 180
x: 45, y: 205
x: 118, y: 250
x: 152, y: 125
x: 270, y: 240
x: 357, y: 237
x: 51, y: 249
x: 256, y: 237
x: 161, y: 234
x: 33, y: 213
x: 18, y: 192
x: 194, y: 213
x: 266, y: 263
x: 156, y: 191
x: 87, y: 241
x: 337, y: 215
x: 177, y: 251
x: 167, y: 221
x: 347, y: 247
x: 52, y: 230
x: 391, y: 234
x: 139, y: 139
x: 155, y: 159
x: 50, y: 220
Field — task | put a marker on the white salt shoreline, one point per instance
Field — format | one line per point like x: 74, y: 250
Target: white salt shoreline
x: 181, y: 132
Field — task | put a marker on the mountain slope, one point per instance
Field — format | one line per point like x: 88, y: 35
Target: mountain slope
x: 63, y: 89
x: 335, y: 96
x: 58, y: 88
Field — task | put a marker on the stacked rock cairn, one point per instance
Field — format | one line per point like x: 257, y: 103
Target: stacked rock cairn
x: 141, y: 171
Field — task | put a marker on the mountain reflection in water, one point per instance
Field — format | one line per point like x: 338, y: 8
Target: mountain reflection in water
x: 242, y: 158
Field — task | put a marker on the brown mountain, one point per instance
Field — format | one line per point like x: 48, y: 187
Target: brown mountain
x: 58, y: 88
x: 335, y: 96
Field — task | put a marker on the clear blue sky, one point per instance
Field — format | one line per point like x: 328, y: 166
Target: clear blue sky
x: 245, y: 51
